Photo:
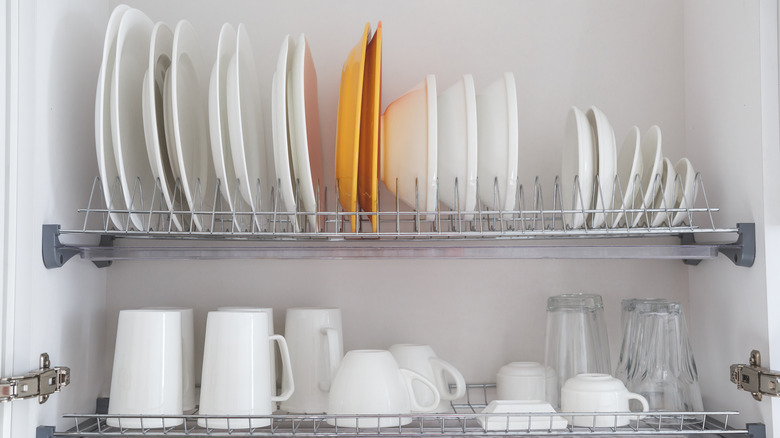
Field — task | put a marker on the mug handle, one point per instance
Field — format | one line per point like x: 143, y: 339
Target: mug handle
x: 409, y: 377
x: 334, y: 358
x: 441, y: 367
x: 286, y: 369
x: 641, y: 399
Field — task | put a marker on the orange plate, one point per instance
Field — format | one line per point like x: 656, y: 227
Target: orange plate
x: 368, y: 160
x: 348, y: 126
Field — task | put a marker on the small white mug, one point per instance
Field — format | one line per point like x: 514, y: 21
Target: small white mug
x: 147, y: 375
x: 522, y: 381
x: 316, y: 345
x: 422, y: 359
x: 370, y: 382
x: 598, y: 393
x: 236, y: 370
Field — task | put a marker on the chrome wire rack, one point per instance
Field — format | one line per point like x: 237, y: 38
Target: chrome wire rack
x: 328, y: 231
x: 466, y: 419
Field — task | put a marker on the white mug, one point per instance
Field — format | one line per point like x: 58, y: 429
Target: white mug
x: 188, y: 397
x: 594, y: 392
x: 271, y: 346
x: 147, y: 374
x: 423, y: 360
x: 522, y: 381
x: 371, y: 382
x: 236, y: 370
x: 315, y: 340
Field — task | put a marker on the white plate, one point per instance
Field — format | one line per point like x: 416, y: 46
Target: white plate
x: 629, y: 170
x: 189, y: 115
x: 519, y: 417
x: 664, y: 197
x: 127, y: 124
x: 409, y: 146
x: 607, y: 165
x: 457, y: 125
x: 497, y: 143
x: 685, y: 190
x: 107, y: 169
x: 304, y: 116
x: 282, y: 154
x: 154, y: 120
x: 218, y: 120
x: 245, y: 121
x: 652, y: 163
x: 578, y: 167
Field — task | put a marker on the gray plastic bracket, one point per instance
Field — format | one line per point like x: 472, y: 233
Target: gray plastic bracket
x: 55, y: 253
x: 741, y: 253
x: 44, y: 432
x: 756, y: 430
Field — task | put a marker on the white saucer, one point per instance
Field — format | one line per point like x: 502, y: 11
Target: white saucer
x: 629, y: 169
x: 578, y: 168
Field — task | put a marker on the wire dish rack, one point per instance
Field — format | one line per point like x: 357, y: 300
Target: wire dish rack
x: 398, y: 230
x: 466, y: 420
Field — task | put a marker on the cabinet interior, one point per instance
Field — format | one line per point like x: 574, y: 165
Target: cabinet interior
x: 692, y: 67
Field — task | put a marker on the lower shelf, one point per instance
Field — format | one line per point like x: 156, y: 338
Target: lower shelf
x: 465, y: 420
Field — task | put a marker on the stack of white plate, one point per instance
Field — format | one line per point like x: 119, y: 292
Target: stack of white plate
x: 600, y: 188
x: 170, y: 140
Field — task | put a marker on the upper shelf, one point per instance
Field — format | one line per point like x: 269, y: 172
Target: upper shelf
x: 529, y: 230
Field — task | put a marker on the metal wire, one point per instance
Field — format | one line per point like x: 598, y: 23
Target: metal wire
x: 466, y: 419
x: 268, y: 220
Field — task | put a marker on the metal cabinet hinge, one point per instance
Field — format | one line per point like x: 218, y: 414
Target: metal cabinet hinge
x: 40, y: 383
x: 754, y: 379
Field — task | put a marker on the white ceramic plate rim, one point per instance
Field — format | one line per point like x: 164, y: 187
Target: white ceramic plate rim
x: 433, y: 144
x: 665, y: 199
x: 629, y: 188
x: 132, y: 169
x: 648, y: 180
x: 282, y: 155
x: 686, y: 184
x: 303, y: 165
x: 104, y: 144
x: 585, y: 170
x: 512, y: 146
x: 471, y: 144
x: 607, y: 165
x: 162, y: 34
x: 185, y: 44
x: 218, y: 129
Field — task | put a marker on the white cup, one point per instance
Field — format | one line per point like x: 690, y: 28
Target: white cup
x: 147, y: 374
x: 522, y: 381
x: 598, y: 393
x: 274, y: 375
x: 422, y: 359
x: 370, y: 382
x: 315, y: 340
x: 188, y: 397
x: 236, y: 370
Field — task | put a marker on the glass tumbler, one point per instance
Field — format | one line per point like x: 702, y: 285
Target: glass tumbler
x: 576, y: 339
x: 656, y: 359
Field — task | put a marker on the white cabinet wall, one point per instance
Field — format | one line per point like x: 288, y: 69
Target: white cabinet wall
x: 706, y: 72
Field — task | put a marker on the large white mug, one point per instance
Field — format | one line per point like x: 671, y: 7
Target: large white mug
x: 522, y: 381
x: 147, y: 374
x: 236, y: 370
x: 188, y: 397
x: 274, y: 375
x: 593, y: 392
x: 370, y: 382
x: 422, y: 359
x: 315, y: 340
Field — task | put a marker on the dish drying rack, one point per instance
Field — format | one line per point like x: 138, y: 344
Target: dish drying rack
x: 530, y: 230
x: 464, y: 421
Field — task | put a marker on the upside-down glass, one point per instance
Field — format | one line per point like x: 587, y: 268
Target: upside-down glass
x: 656, y: 359
x: 576, y: 339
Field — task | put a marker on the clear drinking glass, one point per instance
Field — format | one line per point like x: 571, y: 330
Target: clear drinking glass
x: 576, y: 339
x: 656, y: 359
